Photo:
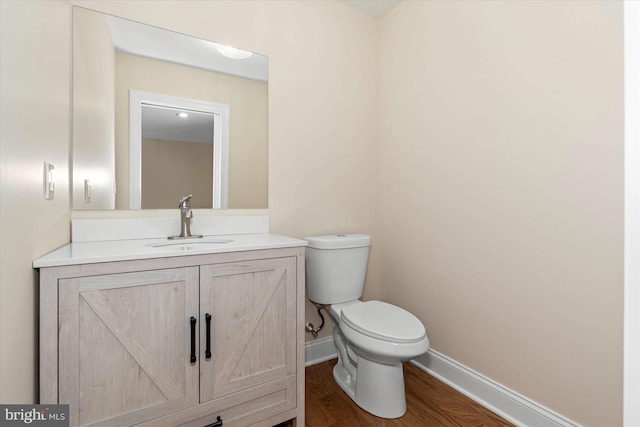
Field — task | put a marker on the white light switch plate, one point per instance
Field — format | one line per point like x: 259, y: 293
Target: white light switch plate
x: 49, y: 185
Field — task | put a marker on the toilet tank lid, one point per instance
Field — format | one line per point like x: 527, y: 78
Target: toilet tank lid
x: 339, y: 241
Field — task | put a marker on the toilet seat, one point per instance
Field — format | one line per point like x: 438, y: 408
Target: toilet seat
x: 383, y: 321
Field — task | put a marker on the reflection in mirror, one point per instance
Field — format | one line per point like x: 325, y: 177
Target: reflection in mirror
x: 188, y: 138
x: 180, y: 140
x: 130, y: 148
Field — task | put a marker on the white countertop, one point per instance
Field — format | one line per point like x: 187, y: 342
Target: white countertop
x: 125, y: 250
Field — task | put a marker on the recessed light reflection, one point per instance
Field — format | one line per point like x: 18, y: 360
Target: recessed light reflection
x: 182, y: 115
x: 232, y: 52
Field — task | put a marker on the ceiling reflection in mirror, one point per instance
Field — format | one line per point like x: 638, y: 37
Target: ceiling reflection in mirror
x: 181, y: 140
x: 158, y: 115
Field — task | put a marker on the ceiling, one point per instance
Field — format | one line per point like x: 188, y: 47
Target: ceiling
x: 163, y: 123
x: 153, y: 42
x: 372, y: 7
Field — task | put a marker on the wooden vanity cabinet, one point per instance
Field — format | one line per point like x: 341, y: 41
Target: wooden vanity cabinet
x: 176, y: 341
x: 124, y: 345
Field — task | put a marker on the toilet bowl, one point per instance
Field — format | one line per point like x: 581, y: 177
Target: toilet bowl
x: 372, y: 338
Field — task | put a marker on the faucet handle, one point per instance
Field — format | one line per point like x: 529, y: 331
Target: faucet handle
x: 184, y: 202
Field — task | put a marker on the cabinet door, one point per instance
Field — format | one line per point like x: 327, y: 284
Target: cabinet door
x: 253, y: 324
x: 124, y: 345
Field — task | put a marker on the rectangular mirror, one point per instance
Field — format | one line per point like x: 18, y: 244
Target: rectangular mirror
x: 158, y: 115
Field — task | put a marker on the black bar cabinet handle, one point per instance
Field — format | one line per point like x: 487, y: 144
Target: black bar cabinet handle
x: 193, y: 339
x: 207, y: 351
x: 218, y: 423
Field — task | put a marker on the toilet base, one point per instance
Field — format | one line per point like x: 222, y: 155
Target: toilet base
x: 377, y: 388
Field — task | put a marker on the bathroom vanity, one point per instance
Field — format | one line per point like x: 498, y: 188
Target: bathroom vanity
x: 151, y: 332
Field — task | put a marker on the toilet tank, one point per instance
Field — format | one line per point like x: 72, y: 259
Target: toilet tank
x: 336, y: 266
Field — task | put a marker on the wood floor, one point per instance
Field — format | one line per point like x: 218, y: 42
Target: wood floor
x: 429, y: 403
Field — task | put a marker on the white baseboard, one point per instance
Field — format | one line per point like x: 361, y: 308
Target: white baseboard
x: 499, y: 399
x: 488, y: 393
x: 319, y: 350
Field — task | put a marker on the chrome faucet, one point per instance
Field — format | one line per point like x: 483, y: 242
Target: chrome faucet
x: 185, y: 219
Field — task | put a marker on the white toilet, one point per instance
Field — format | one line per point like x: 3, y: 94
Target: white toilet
x: 372, y: 338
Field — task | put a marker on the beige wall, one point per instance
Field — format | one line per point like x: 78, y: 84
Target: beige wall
x: 34, y: 127
x: 502, y: 191
x: 192, y: 159
x: 482, y: 138
x: 248, y: 121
